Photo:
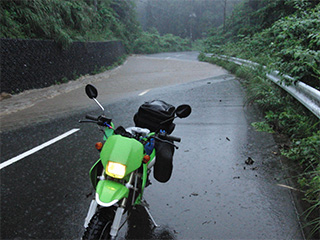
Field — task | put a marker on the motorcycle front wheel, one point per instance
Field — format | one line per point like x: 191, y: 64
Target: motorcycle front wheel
x: 100, y: 224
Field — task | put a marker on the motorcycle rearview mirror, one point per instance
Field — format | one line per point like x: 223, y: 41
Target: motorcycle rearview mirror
x: 183, y: 111
x: 92, y: 93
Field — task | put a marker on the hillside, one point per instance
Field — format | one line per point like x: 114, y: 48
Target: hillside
x: 83, y: 20
x: 283, y: 34
x: 67, y: 21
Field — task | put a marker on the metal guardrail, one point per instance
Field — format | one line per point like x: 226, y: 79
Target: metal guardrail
x: 306, y: 95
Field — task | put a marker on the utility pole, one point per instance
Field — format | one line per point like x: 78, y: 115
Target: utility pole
x: 224, y: 15
x: 95, y: 4
x: 192, y: 18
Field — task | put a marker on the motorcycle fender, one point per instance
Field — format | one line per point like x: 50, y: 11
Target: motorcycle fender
x: 108, y: 192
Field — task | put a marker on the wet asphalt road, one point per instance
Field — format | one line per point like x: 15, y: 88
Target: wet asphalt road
x: 213, y: 193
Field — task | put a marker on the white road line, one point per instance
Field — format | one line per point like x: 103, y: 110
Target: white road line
x: 36, y: 149
x: 143, y: 93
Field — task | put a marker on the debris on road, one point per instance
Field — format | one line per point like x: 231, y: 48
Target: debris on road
x: 249, y: 161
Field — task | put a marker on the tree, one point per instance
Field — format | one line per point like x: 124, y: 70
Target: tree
x: 184, y: 18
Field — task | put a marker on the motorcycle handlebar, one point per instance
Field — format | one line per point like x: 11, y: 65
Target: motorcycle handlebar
x: 172, y: 138
x: 169, y: 138
x: 90, y: 117
x: 101, y: 120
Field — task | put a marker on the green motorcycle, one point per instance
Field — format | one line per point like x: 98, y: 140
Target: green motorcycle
x: 127, y: 156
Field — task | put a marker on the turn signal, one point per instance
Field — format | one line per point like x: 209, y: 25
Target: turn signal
x: 99, y: 146
x: 146, y: 158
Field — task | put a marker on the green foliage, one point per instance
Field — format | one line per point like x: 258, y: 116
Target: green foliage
x: 290, y: 44
x: 202, y: 57
x: 198, y: 45
x: 296, y: 44
x: 307, y: 152
x: 152, y: 42
x: 265, y: 95
x: 290, y: 121
x: 262, y: 127
x: 83, y: 20
x: 64, y: 80
x: 252, y: 16
x: 67, y: 21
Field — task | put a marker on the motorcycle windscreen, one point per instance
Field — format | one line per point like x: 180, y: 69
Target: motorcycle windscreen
x: 108, y: 193
x: 126, y: 151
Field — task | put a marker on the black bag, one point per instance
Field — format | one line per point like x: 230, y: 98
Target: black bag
x: 164, y: 161
x: 151, y: 114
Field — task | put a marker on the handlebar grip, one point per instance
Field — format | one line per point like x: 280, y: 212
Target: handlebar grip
x: 94, y: 118
x: 172, y: 138
x: 169, y: 138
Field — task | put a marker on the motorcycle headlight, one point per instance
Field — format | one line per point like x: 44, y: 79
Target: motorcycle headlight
x: 116, y: 170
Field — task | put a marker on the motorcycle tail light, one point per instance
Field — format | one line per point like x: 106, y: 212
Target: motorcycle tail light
x: 116, y: 170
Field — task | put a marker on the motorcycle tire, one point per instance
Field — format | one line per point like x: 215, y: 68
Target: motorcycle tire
x: 100, y: 225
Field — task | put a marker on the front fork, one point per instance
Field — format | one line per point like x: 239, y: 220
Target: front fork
x: 120, y: 210
x: 92, y: 210
x: 117, y: 220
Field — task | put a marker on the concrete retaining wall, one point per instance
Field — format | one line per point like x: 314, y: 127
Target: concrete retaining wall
x: 29, y: 64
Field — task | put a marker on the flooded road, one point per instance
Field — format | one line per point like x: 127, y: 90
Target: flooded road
x: 214, y: 191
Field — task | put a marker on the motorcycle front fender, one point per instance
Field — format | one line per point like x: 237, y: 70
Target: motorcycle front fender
x: 108, y: 192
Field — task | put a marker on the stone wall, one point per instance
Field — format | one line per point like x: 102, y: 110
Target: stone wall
x: 29, y: 64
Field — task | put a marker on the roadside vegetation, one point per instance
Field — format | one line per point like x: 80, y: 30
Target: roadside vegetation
x: 291, y: 44
x: 68, y: 21
x: 84, y: 20
x: 282, y: 35
x: 152, y: 42
x: 158, y: 28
